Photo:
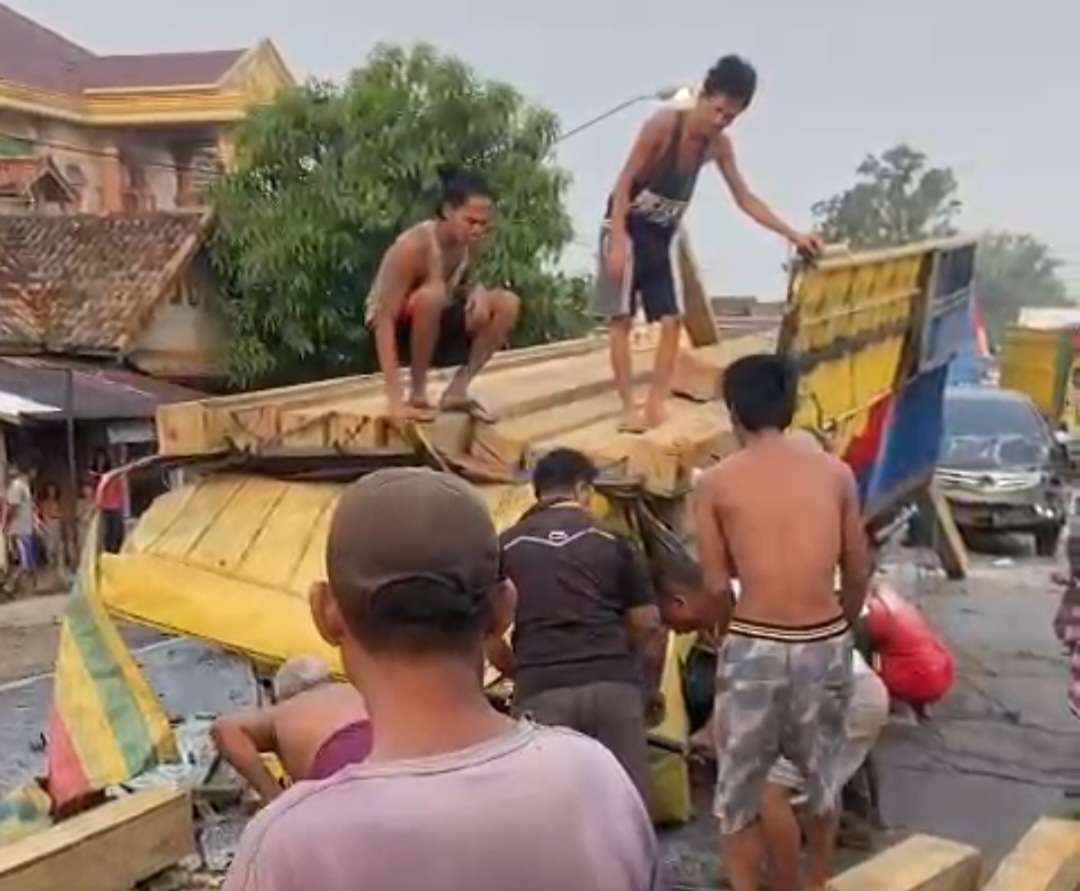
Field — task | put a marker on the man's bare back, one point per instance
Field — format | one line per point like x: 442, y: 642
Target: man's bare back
x: 780, y: 517
x: 304, y: 723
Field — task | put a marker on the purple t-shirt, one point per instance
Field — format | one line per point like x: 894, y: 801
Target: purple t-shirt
x: 532, y: 810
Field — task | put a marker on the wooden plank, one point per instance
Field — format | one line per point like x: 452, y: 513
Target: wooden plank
x: 699, y: 373
x: 209, y: 425
x: 694, y: 436
x: 1047, y: 859
x: 662, y: 459
x: 109, y: 848
x: 698, y: 319
x: 183, y: 429
x: 948, y: 543
x: 508, y: 442
x: 921, y: 863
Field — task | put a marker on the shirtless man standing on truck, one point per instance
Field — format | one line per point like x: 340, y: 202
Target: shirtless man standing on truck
x: 423, y: 308
x: 780, y: 518
x: 638, y: 267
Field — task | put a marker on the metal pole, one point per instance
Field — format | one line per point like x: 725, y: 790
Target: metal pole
x: 661, y: 95
x: 73, y: 474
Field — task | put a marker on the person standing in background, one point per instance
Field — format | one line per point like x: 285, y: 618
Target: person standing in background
x: 52, y: 526
x: 19, y: 524
x: 110, y: 497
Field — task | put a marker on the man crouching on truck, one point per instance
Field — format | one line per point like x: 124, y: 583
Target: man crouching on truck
x: 422, y: 306
x: 780, y: 517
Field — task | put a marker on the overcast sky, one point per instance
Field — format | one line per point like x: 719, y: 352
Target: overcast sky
x: 993, y: 93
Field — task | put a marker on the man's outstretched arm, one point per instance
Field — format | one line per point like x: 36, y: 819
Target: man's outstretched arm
x: 750, y: 204
x: 242, y: 738
x: 856, y: 562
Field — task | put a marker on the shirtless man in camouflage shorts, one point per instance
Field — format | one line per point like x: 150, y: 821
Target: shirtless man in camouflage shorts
x: 780, y: 517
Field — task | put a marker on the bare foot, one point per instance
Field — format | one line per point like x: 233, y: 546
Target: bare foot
x: 631, y: 422
x: 408, y: 411
x: 655, y: 414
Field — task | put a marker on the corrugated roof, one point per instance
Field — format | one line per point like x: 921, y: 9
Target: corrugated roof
x: 99, y: 393
x: 82, y: 283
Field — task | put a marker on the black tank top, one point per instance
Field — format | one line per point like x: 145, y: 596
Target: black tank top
x: 660, y: 197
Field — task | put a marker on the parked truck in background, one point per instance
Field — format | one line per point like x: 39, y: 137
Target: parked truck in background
x: 1044, y: 364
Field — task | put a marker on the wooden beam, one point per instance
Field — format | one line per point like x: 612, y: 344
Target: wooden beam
x: 1047, y: 859
x: 700, y: 373
x: 207, y: 426
x: 108, y: 848
x: 508, y: 442
x: 948, y: 543
x: 661, y: 459
x: 698, y: 319
x: 921, y: 863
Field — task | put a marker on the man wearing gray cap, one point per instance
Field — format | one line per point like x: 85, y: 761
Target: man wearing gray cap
x: 454, y: 794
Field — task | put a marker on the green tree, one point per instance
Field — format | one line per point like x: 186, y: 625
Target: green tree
x: 328, y: 175
x: 897, y: 199
x: 1013, y: 271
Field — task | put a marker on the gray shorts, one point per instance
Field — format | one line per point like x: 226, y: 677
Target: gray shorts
x: 778, y: 699
x: 867, y: 714
x: 611, y: 713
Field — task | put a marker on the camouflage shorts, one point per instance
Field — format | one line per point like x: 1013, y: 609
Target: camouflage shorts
x: 778, y: 699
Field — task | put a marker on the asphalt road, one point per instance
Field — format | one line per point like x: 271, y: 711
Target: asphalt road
x: 998, y: 751
x: 189, y: 677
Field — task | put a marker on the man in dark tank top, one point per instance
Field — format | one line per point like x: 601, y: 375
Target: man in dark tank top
x: 637, y: 267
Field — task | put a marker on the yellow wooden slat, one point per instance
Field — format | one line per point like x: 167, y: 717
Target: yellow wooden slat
x: 230, y: 534
x: 312, y: 564
x: 276, y: 552
x: 207, y: 501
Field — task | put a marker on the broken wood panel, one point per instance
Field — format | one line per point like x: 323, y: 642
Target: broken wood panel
x: 921, y: 863
x: 350, y: 430
x: 108, y: 848
x: 698, y: 319
x: 1047, y: 859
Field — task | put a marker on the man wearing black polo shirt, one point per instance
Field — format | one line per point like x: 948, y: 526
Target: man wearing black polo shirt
x: 587, y: 644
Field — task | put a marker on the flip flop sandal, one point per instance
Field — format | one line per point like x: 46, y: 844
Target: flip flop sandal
x: 473, y: 408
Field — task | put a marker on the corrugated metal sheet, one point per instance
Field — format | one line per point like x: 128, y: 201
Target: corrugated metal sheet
x: 99, y: 393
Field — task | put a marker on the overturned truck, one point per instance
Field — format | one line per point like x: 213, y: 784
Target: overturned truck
x: 228, y: 555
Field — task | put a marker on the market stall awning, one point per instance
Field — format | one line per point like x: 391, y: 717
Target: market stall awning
x: 35, y: 389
